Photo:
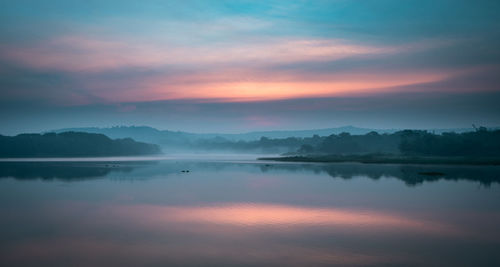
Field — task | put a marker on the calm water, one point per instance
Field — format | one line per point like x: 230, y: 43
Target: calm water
x: 247, y: 213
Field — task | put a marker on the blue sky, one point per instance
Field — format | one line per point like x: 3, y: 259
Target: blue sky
x: 232, y: 66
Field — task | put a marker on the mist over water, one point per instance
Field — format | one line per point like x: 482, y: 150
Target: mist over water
x: 242, y: 212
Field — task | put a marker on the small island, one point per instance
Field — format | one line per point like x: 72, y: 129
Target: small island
x: 71, y: 144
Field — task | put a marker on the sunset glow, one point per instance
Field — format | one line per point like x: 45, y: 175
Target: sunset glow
x: 73, y: 57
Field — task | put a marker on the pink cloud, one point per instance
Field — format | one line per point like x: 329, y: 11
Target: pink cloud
x: 252, y: 85
x: 85, y: 53
x: 229, y: 71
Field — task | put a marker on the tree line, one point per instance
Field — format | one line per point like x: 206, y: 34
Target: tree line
x: 71, y: 144
x: 482, y: 142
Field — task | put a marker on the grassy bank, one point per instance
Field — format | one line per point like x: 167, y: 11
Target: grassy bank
x: 394, y: 159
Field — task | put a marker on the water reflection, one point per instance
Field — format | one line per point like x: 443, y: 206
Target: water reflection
x: 66, y: 171
x: 272, y: 215
x: 411, y: 175
x: 246, y: 213
x: 87, y: 234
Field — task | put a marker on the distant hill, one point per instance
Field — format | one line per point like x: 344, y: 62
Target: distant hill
x: 344, y: 129
x: 306, y: 133
x: 166, y: 137
x: 138, y: 133
x: 71, y: 144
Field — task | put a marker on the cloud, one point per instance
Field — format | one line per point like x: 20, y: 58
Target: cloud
x: 81, y: 53
x: 72, y: 55
x: 119, y: 68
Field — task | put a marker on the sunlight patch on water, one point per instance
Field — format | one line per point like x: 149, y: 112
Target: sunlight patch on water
x: 274, y: 215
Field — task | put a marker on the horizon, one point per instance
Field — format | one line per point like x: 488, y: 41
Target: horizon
x: 472, y: 128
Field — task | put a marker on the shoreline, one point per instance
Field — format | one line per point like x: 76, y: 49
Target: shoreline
x: 380, y: 159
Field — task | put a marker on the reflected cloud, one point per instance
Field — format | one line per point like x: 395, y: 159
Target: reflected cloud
x: 229, y: 233
x: 89, y: 252
x: 274, y: 215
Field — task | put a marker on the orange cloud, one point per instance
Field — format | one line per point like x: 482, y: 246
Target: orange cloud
x: 232, y: 71
x: 257, y: 86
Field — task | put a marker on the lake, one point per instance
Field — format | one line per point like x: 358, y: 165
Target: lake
x: 236, y: 211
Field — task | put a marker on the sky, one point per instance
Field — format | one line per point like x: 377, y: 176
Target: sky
x: 238, y: 66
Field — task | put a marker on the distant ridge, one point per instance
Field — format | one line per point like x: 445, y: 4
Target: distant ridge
x: 163, y: 137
